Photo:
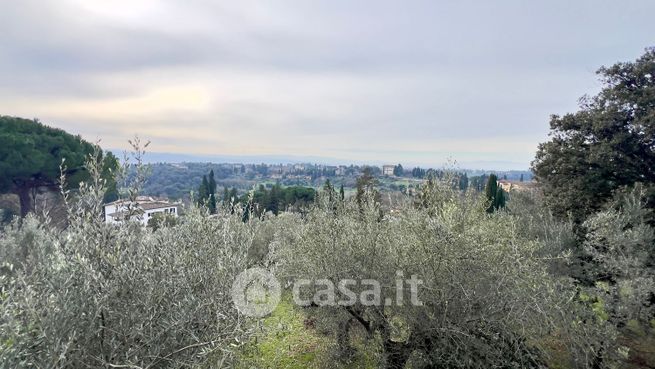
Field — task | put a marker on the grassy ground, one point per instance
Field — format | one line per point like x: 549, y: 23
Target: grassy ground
x: 288, y: 340
x: 285, y: 342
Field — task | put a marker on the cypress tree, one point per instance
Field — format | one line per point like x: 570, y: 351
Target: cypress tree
x: 492, y: 187
x: 329, y: 189
x: 274, y: 199
x: 212, y: 182
x: 499, y: 201
x: 463, y: 182
x: 203, y: 191
x: 398, y: 170
x: 490, y: 192
x: 211, y: 204
x: 211, y: 193
x: 342, y: 193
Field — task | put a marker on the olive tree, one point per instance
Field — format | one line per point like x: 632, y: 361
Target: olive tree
x: 620, y: 245
x: 486, y: 298
x: 121, y: 296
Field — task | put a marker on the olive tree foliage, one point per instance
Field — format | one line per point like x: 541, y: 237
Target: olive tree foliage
x: 620, y: 245
x: 121, y: 296
x: 614, y: 259
x: 487, y: 297
x: 557, y: 237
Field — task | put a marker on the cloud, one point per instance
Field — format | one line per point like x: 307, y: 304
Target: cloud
x: 413, y: 81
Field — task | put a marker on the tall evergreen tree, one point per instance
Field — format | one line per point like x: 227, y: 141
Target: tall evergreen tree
x: 342, y: 193
x: 211, y: 201
x: 398, y: 170
x: 203, y: 191
x: 274, y: 197
x: 491, y: 191
x: 329, y: 190
x: 463, y: 182
x: 499, y: 200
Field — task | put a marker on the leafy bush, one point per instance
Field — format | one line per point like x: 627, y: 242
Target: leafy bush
x: 100, y: 295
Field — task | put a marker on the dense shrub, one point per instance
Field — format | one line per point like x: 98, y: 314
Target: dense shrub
x: 99, y: 295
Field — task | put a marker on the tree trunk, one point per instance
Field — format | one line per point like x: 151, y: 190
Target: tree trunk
x: 25, y: 200
x: 396, y: 353
x: 344, y: 346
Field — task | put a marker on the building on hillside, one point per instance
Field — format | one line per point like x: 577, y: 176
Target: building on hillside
x: 146, y: 208
x: 387, y: 170
x: 505, y: 185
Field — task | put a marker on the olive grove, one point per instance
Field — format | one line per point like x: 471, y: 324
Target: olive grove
x: 495, y: 288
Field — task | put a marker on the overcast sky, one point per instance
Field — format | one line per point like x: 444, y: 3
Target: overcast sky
x: 415, y: 82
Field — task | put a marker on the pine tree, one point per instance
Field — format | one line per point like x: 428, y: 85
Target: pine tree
x: 342, y: 193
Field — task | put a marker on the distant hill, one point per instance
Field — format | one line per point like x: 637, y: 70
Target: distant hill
x: 166, y: 157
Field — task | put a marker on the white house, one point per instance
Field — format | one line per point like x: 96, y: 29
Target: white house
x: 116, y: 211
x: 387, y: 170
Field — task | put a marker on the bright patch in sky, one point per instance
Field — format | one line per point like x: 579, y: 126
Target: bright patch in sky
x: 379, y: 81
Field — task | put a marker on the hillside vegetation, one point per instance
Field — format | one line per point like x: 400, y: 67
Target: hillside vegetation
x: 559, y: 279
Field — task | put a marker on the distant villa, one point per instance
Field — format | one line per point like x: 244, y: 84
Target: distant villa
x: 387, y: 170
x: 145, y: 207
